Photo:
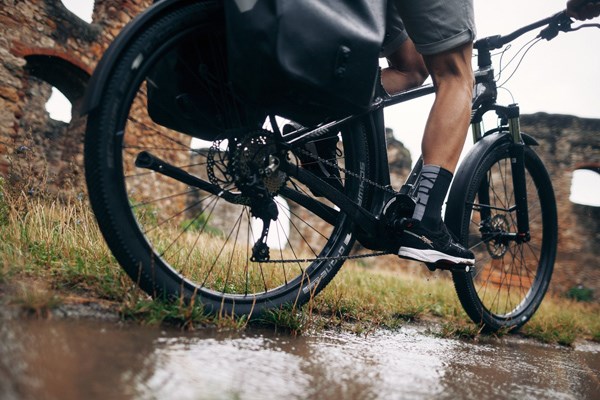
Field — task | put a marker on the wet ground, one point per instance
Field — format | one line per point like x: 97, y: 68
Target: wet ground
x: 83, y: 359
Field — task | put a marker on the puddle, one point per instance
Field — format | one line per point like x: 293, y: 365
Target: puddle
x: 69, y: 359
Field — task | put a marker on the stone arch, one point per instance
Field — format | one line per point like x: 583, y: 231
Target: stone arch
x: 588, y: 166
x: 585, y: 189
x: 59, y: 70
x: 55, y: 148
x: 44, y: 44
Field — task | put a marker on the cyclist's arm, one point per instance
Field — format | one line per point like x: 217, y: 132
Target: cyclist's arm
x: 583, y: 9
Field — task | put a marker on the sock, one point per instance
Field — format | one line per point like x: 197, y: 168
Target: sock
x: 434, y: 182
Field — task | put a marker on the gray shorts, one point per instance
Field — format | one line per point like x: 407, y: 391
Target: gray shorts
x: 434, y: 26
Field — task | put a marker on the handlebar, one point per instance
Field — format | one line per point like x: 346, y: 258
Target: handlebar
x: 559, y: 22
x: 498, y: 41
x: 485, y: 89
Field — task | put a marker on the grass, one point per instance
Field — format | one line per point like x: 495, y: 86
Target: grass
x: 52, y: 252
x: 564, y: 321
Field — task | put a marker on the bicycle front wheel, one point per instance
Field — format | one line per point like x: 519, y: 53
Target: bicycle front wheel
x: 194, y: 220
x: 510, y: 276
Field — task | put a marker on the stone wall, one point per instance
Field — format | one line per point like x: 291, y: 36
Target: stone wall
x: 42, y: 44
x: 568, y: 143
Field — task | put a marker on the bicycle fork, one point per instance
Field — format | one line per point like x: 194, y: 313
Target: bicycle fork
x: 510, y: 114
x: 517, y: 159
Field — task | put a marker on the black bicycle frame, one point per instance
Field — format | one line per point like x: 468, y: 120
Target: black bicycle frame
x: 370, y: 219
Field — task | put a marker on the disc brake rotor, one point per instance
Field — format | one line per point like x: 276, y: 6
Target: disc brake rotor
x: 496, y: 247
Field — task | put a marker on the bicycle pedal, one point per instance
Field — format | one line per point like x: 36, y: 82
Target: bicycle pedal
x: 449, y: 267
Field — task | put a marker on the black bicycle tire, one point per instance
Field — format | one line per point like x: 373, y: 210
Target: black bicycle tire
x: 464, y: 281
x: 110, y: 203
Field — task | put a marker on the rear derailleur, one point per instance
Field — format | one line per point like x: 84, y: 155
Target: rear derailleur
x: 253, y: 168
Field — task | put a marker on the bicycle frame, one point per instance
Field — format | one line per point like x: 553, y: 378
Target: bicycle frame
x: 370, y: 221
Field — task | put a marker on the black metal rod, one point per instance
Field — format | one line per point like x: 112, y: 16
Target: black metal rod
x: 149, y: 161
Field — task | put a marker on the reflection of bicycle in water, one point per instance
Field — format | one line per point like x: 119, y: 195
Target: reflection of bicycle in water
x: 183, y: 222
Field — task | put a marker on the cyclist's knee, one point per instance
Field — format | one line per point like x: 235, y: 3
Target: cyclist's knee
x: 408, y: 78
x: 407, y: 62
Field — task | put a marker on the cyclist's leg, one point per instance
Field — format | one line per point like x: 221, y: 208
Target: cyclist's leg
x: 448, y: 122
x: 443, y: 32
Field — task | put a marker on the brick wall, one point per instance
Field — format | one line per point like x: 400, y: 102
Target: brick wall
x: 42, y: 44
x: 568, y: 143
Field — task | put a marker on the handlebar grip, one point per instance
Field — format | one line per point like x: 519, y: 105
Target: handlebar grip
x: 581, y: 11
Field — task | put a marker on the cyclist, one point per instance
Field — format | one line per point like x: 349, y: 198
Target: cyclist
x: 435, y: 37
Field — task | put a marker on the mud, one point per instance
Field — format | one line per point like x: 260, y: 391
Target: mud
x: 83, y: 358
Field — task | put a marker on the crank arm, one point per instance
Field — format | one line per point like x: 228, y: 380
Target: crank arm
x: 149, y: 161
x: 450, y: 267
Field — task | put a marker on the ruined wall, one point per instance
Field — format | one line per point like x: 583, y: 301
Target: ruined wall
x: 42, y: 44
x: 568, y: 143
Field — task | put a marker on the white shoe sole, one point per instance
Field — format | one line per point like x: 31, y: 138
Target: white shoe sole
x: 432, y: 256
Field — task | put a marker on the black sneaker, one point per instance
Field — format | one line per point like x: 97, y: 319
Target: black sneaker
x: 421, y: 244
x: 322, y: 148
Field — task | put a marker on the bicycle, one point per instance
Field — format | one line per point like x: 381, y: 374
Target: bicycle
x: 194, y: 223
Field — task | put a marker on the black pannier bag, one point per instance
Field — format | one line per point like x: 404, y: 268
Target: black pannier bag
x: 307, y: 60
x: 188, y: 88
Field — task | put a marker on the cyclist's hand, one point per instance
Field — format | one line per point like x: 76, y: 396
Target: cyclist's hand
x: 583, y: 9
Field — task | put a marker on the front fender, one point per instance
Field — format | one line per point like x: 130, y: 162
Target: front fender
x: 106, y: 64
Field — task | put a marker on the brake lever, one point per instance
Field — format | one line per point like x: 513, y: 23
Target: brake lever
x: 561, y: 23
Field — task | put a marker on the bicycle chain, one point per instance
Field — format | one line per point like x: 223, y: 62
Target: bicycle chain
x: 337, y: 258
x: 345, y: 171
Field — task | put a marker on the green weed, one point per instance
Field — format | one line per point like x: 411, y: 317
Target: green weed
x: 287, y: 319
x: 580, y: 293
x: 156, y: 312
x: 563, y: 321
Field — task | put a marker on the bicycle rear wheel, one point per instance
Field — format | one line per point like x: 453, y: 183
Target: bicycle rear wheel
x: 510, y: 276
x: 184, y: 220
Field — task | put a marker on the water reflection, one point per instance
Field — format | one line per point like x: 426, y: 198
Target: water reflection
x: 83, y: 359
